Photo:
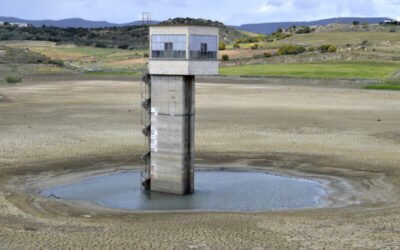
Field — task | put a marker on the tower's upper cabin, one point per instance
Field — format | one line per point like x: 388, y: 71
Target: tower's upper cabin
x: 183, y: 50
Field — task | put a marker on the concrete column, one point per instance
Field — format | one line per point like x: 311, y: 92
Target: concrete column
x: 172, y: 134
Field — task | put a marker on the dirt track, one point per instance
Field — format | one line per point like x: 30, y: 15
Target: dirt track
x: 76, y: 126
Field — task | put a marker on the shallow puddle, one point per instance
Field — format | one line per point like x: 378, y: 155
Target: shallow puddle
x: 214, y: 191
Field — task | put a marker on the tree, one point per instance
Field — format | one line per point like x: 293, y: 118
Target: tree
x: 123, y: 46
x: 225, y: 57
x: 356, y: 23
x: 222, y: 46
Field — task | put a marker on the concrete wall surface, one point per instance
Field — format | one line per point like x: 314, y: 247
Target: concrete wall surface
x: 172, y: 134
x: 183, y: 67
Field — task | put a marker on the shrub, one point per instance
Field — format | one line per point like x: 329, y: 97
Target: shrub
x: 54, y: 39
x: 57, y: 62
x: 254, y: 46
x: 311, y: 49
x: 281, y: 36
x: 239, y: 40
x: 236, y: 46
x: 260, y: 38
x: 392, y: 30
x: 248, y: 40
x: 100, y: 45
x: 225, y: 57
x: 332, y: 49
x: 123, y: 46
x: 267, y: 54
x: 327, y: 48
x: 222, y: 46
x: 304, y: 30
x: 146, y: 55
x: 13, y: 79
x: 356, y: 23
x: 291, y: 50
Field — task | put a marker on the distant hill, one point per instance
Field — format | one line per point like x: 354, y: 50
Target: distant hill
x: 263, y: 28
x: 268, y: 28
x: 124, y: 37
x: 71, y: 23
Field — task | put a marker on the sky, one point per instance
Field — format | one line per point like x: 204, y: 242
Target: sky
x: 233, y: 12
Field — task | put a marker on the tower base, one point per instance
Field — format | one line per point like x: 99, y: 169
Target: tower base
x: 172, y: 134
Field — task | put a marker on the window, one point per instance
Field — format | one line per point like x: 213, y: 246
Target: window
x: 168, y: 46
x: 203, y: 50
x: 203, y: 47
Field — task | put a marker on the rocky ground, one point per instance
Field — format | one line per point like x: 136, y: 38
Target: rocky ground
x: 350, y: 136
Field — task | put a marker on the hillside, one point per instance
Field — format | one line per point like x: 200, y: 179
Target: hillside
x: 130, y: 37
x: 268, y: 28
x: 122, y: 50
x: 263, y: 28
x: 71, y: 23
x: 127, y: 37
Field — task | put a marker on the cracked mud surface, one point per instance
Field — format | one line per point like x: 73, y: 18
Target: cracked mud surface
x: 77, y: 127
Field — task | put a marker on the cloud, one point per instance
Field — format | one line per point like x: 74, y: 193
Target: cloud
x: 273, y: 6
x: 170, y: 3
x: 306, y: 10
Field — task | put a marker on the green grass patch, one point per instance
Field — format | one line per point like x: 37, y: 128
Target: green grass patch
x: 342, y: 38
x: 82, y: 52
x: 248, y: 34
x: 384, y: 86
x: 261, y: 45
x: 344, y: 70
x: 390, y: 84
x: 104, y: 73
x: 95, y: 52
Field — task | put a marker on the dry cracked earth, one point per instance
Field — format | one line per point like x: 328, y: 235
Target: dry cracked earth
x: 350, y: 137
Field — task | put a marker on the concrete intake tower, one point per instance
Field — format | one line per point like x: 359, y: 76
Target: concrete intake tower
x: 177, y: 54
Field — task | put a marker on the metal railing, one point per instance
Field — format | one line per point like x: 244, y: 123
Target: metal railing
x: 166, y: 54
x: 145, y: 121
x: 203, y: 55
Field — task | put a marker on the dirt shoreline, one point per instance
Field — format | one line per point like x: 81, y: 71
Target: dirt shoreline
x: 34, y: 184
x: 270, y: 80
x: 79, y: 127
